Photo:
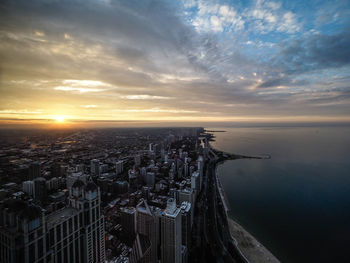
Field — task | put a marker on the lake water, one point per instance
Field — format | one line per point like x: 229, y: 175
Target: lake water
x: 297, y: 204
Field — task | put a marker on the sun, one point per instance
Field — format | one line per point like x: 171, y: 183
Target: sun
x: 59, y: 118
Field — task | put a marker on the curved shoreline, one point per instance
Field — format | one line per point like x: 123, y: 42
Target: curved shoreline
x: 250, y: 248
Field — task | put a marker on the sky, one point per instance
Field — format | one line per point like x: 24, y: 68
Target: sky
x: 188, y: 61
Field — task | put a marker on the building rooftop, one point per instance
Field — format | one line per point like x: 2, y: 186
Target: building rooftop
x: 129, y: 210
x: 185, y: 206
x: 60, y: 216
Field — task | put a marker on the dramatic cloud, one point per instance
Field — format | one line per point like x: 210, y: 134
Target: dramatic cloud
x: 217, y: 60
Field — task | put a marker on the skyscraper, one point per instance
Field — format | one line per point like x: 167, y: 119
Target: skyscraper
x: 95, y: 167
x: 34, y: 171
x: 171, y: 242
x: 128, y: 222
x: 186, y: 224
x: 40, y: 190
x: 22, y: 232
x: 119, y: 167
x: 86, y: 200
x: 137, y: 160
x: 28, y: 187
x: 148, y: 225
x: 150, y: 179
x: 72, y: 234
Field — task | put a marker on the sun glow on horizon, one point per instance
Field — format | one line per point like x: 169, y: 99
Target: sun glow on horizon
x: 59, y: 118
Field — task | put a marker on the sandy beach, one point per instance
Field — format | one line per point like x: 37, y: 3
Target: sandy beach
x: 249, y: 246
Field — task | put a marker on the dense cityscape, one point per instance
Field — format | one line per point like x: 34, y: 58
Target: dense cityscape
x: 161, y: 131
x: 111, y: 195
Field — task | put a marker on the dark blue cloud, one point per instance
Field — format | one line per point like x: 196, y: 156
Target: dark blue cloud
x: 315, y: 53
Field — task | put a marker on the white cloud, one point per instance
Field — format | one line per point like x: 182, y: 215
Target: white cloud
x: 270, y: 16
x: 25, y: 111
x: 89, y: 106
x: 81, y: 90
x: 83, y: 86
x: 189, y: 3
x: 289, y: 23
x: 86, y: 83
x: 144, y: 97
x: 217, y: 18
x: 39, y: 33
x: 155, y: 110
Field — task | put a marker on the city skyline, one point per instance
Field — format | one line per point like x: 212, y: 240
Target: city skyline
x: 128, y: 62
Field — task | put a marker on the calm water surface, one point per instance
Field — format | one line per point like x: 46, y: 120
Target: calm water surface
x: 297, y: 203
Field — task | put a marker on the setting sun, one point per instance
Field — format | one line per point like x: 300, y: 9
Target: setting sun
x: 59, y: 118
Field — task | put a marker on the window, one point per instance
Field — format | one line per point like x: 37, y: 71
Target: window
x: 58, y: 233
x: 70, y: 225
x: 81, y: 218
x: 59, y: 257
x: 52, y: 237
x: 32, y: 253
x: 64, y: 229
x: 40, y: 248
x: 76, y: 221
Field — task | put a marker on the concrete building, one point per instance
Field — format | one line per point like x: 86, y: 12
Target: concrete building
x: 71, y: 178
x: 200, y: 166
x: 103, y: 169
x: 137, y: 159
x: 72, y: 234
x: 195, y: 184
x: 88, y: 220
x: 171, y: 242
x: 22, y: 232
x: 150, y: 179
x: 34, y: 171
x: 28, y: 187
x: 128, y: 222
x: 40, y: 190
x: 186, y: 195
x: 186, y: 224
x: 119, y: 167
x: 95, y: 167
x: 148, y: 226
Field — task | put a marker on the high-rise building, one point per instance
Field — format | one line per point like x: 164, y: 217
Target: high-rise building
x: 200, y: 165
x: 119, y: 167
x: 148, y: 225
x: 22, y: 232
x: 128, y: 222
x: 186, y: 195
x: 141, y: 250
x: 85, y: 198
x: 137, y: 159
x: 72, y: 177
x: 186, y: 170
x: 186, y: 224
x: 95, y: 167
x: 122, y: 187
x: 80, y: 167
x: 195, y: 184
x: 28, y: 187
x: 150, y: 179
x: 72, y: 234
x: 34, y: 171
x: 171, y: 242
x: 40, y: 190
x: 103, y: 169
x: 56, y: 170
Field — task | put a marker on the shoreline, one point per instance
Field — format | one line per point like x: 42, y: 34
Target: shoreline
x: 251, y: 249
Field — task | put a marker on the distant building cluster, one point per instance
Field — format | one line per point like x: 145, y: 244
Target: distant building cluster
x: 114, y: 195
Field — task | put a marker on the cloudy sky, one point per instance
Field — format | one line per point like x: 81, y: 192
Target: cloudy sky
x: 175, y: 60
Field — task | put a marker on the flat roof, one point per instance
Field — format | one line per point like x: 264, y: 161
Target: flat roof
x: 60, y: 216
